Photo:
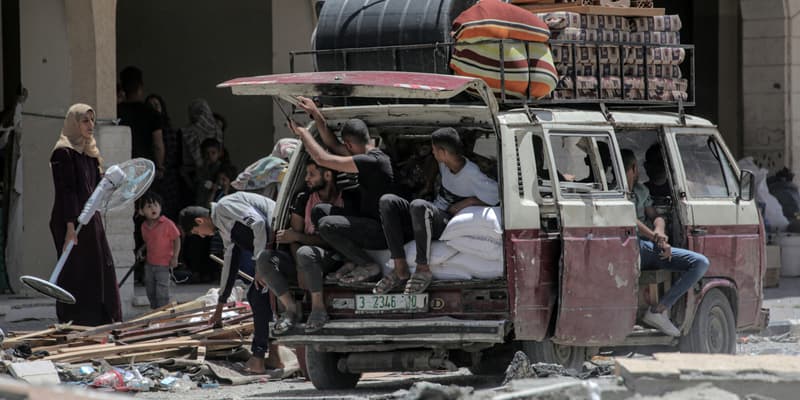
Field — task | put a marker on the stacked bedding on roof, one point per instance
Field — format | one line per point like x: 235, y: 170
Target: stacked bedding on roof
x: 621, y: 68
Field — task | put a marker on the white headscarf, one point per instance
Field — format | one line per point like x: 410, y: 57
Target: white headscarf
x: 71, y: 137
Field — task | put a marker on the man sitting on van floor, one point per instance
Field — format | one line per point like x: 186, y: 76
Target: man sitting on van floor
x: 656, y: 253
x: 308, y: 249
x: 463, y: 185
x: 349, y: 232
x: 242, y: 220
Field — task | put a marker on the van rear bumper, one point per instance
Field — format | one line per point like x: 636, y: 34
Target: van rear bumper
x: 346, y: 335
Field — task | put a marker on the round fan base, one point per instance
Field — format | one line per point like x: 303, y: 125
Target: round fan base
x: 48, y: 289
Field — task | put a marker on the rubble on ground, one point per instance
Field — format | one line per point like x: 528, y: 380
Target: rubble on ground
x: 172, y: 348
x: 522, y: 368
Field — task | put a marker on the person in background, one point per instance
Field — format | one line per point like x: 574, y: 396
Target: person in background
x: 225, y: 175
x: 162, y: 246
x: 145, y: 123
x: 206, y: 175
x: 202, y: 126
x: 170, y: 185
x: 89, y: 271
x: 657, y: 184
x: 146, y: 134
x: 655, y: 251
x: 242, y: 220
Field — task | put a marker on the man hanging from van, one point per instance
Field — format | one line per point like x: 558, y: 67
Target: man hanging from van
x: 346, y: 231
x: 463, y: 185
x: 311, y: 253
x: 655, y: 251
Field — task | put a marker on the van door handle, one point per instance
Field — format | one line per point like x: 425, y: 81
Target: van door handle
x: 699, y: 231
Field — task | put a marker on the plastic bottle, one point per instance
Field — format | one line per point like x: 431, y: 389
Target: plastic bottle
x: 110, y: 379
x: 140, y: 383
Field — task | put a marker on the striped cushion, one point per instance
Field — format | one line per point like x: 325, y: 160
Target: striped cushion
x: 523, y: 72
x: 536, y: 73
x: 492, y: 19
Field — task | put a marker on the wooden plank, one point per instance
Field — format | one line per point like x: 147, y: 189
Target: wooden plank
x: 148, y: 356
x: 133, y: 348
x: 595, y: 10
x: 105, y: 329
x: 10, y: 342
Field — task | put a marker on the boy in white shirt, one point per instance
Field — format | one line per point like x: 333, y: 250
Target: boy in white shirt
x: 463, y: 185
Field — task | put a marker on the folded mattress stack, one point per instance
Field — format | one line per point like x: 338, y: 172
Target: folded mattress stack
x: 621, y: 67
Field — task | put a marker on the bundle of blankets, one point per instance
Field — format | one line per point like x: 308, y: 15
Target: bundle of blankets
x: 622, y: 69
x: 471, y: 247
x: 528, y: 66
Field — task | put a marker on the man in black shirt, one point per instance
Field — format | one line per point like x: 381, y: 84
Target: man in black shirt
x: 145, y: 123
x: 347, y: 233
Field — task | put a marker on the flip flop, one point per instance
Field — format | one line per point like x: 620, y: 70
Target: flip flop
x: 316, y: 320
x: 362, y: 273
x: 284, y: 323
x: 418, y: 282
x: 388, y: 283
x: 336, y: 276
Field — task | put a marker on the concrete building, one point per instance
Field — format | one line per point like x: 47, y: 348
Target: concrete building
x: 63, y: 52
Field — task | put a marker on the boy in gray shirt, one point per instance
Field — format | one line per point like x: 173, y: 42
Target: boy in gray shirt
x: 463, y: 185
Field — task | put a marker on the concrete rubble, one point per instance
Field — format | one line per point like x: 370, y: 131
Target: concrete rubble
x: 169, y: 349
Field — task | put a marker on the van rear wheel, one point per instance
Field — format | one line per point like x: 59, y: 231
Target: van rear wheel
x: 714, y: 327
x: 552, y: 353
x: 323, y: 371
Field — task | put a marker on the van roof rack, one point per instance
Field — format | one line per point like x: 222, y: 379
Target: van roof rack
x: 607, y: 84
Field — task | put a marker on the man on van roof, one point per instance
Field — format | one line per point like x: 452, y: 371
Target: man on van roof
x: 348, y: 232
x: 463, y: 185
x: 655, y: 251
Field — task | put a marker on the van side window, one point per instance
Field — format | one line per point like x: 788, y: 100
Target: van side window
x: 585, y: 163
x: 708, y: 171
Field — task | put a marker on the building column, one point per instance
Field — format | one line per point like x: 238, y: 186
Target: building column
x: 765, y: 82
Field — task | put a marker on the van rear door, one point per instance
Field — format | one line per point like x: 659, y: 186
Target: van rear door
x: 600, y: 253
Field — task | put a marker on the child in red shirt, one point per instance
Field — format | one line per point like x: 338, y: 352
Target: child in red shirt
x: 162, y: 241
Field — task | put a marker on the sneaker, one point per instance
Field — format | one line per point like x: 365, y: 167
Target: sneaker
x: 661, y: 322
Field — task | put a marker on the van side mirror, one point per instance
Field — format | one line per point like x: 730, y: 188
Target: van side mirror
x: 746, y: 185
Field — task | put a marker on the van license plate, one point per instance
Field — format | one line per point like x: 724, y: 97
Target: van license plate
x: 397, y: 303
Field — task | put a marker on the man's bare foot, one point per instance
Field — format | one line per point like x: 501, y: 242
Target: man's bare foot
x: 255, y: 365
x: 273, y: 360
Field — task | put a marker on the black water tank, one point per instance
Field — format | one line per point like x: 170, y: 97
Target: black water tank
x: 377, y: 23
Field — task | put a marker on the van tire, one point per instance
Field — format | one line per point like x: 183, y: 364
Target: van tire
x: 714, y: 327
x: 552, y: 353
x: 323, y: 371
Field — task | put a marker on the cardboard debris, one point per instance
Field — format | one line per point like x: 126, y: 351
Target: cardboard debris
x: 35, y: 372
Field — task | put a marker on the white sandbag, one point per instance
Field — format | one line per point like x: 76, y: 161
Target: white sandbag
x: 440, y: 272
x: 478, y: 247
x: 440, y: 252
x: 380, y: 256
x: 475, y: 222
x: 478, y: 268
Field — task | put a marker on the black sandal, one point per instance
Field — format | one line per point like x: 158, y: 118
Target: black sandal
x: 284, y: 323
x: 316, y: 320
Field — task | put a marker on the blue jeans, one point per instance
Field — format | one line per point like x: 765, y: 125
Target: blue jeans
x: 692, y: 265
